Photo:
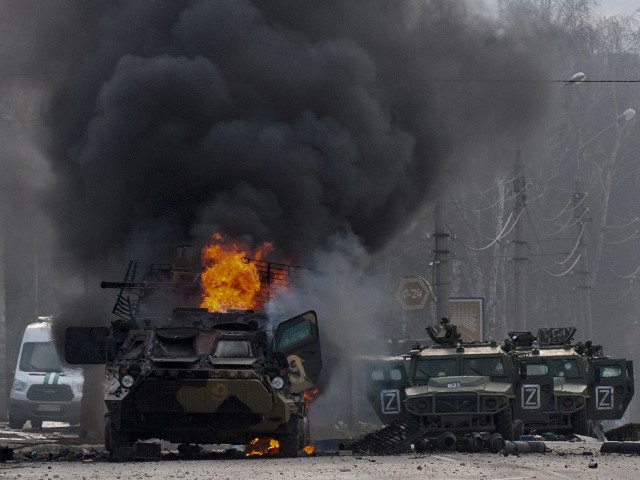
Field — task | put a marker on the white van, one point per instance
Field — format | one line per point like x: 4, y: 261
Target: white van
x: 43, y: 388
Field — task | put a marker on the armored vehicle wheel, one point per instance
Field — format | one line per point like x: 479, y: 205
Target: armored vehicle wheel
x: 116, y: 442
x: 107, y: 434
x: 36, y: 423
x: 518, y: 428
x: 294, y: 440
x: 15, y: 423
x: 580, y: 423
x: 504, y: 424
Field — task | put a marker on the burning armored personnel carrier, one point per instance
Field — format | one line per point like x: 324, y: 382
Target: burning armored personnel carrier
x: 187, y: 375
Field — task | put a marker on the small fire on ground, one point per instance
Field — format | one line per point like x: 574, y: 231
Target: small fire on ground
x: 229, y: 281
x: 262, y: 447
x: 309, y: 450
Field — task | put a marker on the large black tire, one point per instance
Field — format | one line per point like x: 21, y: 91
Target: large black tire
x: 117, y: 443
x: 107, y: 434
x: 518, y: 428
x: 36, y: 423
x: 580, y: 423
x: 16, y: 423
x: 504, y: 424
x: 290, y: 443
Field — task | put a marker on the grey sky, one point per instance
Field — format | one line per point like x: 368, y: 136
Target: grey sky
x: 619, y: 6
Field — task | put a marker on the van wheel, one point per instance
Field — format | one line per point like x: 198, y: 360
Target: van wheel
x: 15, y: 423
x: 36, y: 423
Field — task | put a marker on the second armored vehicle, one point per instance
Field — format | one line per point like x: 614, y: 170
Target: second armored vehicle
x: 565, y: 387
x: 450, y: 390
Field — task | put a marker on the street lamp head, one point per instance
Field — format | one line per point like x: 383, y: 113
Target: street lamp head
x: 577, y: 78
x: 627, y: 115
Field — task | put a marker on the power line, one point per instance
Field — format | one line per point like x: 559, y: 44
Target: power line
x: 624, y: 294
x: 631, y: 275
x: 556, y: 274
x: 495, y: 240
x: 524, y: 81
x: 535, y: 235
x: 503, y: 199
x: 467, y: 221
x: 568, y: 224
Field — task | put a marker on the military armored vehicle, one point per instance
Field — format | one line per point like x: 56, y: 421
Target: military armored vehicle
x: 565, y: 387
x: 385, y: 384
x: 190, y: 376
x: 455, y: 389
x: 461, y: 388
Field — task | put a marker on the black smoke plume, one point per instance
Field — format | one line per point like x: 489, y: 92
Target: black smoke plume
x: 285, y: 121
x: 282, y: 121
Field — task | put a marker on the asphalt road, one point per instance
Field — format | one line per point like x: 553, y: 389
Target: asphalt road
x: 431, y: 466
x: 37, y: 454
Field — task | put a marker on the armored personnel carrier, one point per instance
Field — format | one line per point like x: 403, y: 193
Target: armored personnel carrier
x: 187, y: 375
x: 455, y: 389
x: 564, y: 386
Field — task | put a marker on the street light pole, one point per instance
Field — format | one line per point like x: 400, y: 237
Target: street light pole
x: 583, y: 280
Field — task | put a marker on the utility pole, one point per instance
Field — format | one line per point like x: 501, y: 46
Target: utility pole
x: 4, y: 371
x: 582, y: 283
x: 519, y: 255
x: 441, y: 264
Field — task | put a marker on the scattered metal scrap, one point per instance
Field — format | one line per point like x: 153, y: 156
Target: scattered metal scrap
x: 621, y: 447
x: 6, y: 453
x: 629, y: 432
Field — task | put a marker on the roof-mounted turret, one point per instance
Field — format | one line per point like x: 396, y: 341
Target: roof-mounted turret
x: 445, y: 333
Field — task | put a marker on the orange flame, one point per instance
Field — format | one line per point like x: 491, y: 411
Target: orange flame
x: 311, y: 394
x: 309, y: 450
x: 229, y: 282
x: 260, y: 447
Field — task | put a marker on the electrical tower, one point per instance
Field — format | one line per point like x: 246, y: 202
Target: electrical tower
x: 519, y: 255
x: 582, y: 281
x: 441, y: 264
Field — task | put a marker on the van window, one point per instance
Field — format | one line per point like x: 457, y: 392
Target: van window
x: 39, y: 357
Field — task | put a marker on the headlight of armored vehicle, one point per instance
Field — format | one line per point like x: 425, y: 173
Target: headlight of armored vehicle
x: 277, y: 382
x: 126, y: 381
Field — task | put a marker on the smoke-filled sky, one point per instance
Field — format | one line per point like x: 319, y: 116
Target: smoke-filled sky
x: 279, y: 121
x: 301, y: 123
